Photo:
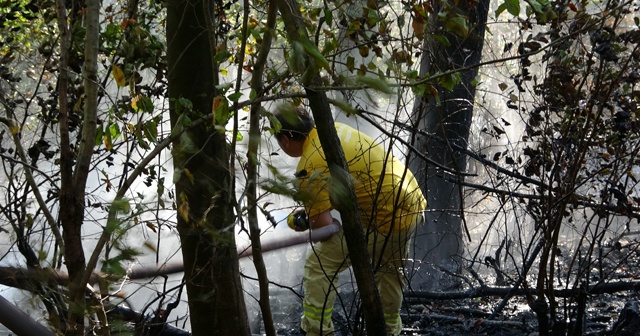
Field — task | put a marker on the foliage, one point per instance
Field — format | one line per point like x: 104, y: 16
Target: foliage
x: 131, y: 79
x: 573, y: 174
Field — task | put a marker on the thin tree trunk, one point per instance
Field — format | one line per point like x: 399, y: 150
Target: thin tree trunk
x: 71, y: 204
x: 89, y: 120
x: 252, y: 170
x: 348, y: 207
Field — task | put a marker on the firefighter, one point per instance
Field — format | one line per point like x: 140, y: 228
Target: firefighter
x: 391, y: 206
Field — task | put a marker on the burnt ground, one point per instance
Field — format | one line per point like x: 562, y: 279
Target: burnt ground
x: 472, y: 317
x: 616, y: 313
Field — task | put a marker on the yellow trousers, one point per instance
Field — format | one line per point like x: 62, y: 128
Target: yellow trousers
x: 388, y: 251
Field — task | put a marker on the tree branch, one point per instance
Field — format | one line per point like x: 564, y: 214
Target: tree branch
x: 485, y: 291
x: 15, y: 135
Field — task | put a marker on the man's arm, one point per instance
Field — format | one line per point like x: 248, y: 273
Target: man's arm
x: 320, y: 220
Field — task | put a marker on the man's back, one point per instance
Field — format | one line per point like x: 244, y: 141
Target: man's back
x: 392, y: 204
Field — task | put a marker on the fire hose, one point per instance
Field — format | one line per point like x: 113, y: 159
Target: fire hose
x: 291, y: 238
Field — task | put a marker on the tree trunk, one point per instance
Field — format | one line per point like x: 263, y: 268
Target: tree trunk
x: 348, y: 207
x: 201, y: 161
x: 252, y: 171
x: 73, y: 182
x: 443, y: 123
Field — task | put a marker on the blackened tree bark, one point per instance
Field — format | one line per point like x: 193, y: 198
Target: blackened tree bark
x: 442, y: 123
x: 201, y: 159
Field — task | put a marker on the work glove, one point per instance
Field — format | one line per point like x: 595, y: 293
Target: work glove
x: 298, y: 220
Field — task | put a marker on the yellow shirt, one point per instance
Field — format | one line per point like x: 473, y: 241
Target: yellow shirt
x: 382, y: 183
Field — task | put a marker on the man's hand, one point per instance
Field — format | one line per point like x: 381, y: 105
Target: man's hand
x: 298, y: 220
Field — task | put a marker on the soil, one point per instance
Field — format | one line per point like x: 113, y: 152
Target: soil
x: 471, y: 317
x: 616, y: 314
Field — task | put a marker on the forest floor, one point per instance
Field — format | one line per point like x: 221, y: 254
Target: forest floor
x: 614, y: 314
x: 470, y: 317
x: 605, y: 314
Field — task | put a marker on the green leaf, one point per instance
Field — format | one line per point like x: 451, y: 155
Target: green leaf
x: 277, y: 187
x: 221, y: 56
x: 128, y: 254
x: 297, y: 58
x: 234, y: 97
x: 185, y: 147
x: 256, y: 34
x: 375, y: 83
x: 362, y: 70
x: 411, y: 74
x: 121, y: 206
x: 315, y: 53
x: 450, y: 81
x: 143, y: 104
x: 224, y: 87
x: 183, y: 104
x: 141, y: 140
x: 328, y: 17
x: 372, y: 18
x: 151, y: 131
x: 314, y: 13
x: 113, y: 267
x: 458, y: 25
x: 277, y: 126
x: 99, y: 133
x: 419, y: 90
x: 346, y: 107
x: 112, y: 224
x: 108, y: 142
x: 289, y: 114
x: 42, y: 255
x: 536, y: 6
x: 401, y: 21
x: 329, y: 46
x: 114, y: 131
x: 351, y: 63
x: 309, y: 74
x: 513, y: 7
x: 338, y: 191
x: 442, y: 40
x: 182, y: 122
x: 253, y: 158
x: 221, y: 110
x: 501, y: 8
